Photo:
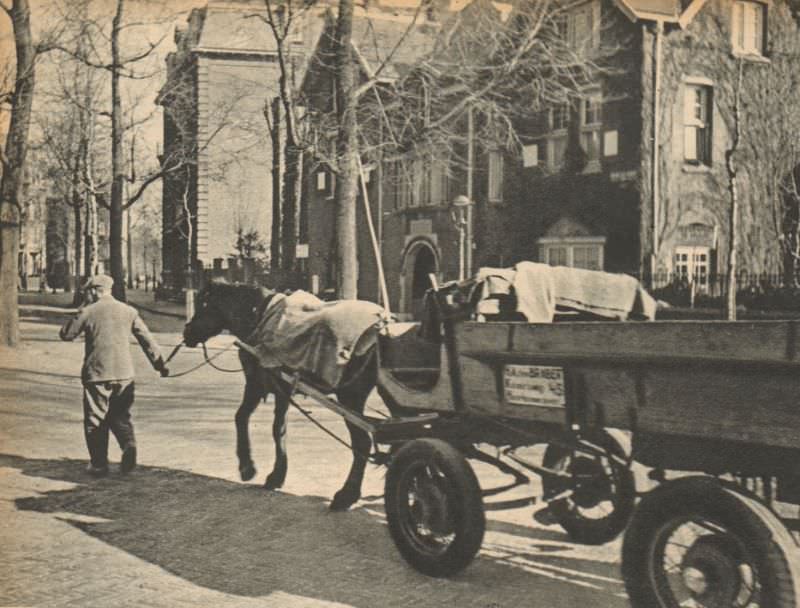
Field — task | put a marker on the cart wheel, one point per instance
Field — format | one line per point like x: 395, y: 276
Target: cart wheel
x: 696, y: 542
x: 603, y: 491
x: 434, y: 507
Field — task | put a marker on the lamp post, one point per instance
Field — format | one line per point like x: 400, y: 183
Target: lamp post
x: 461, y: 216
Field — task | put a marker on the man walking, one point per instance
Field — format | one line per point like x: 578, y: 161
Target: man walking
x: 107, y: 372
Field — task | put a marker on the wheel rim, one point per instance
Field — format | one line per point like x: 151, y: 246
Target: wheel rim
x: 426, y: 509
x: 698, y: 563
x: 594, y: 483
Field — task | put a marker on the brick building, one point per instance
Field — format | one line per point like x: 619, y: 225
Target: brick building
x: 628, y: 177
x: 632, y: 176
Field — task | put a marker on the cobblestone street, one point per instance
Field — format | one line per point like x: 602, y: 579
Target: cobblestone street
x: 182, y: 530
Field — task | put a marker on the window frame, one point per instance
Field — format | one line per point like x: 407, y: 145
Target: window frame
x: 702, y: 127
x: 758, y: 32
x: 591, y: 128
x: 548, y: 244
x: 693, y: 268
x: 495, y: 168
x: 558, y: 133
x: 567, y: 22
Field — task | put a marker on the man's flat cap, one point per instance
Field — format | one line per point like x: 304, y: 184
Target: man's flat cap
x: 101, y: 280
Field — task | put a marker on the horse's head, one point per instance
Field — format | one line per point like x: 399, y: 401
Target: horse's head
x: 210, y: 315
x: 220, y: 306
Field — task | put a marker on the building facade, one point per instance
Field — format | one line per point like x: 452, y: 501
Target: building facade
x: 649, y: 193
x: 220, y: 78
x: 630, y: 176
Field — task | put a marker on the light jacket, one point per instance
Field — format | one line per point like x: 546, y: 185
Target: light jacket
x: 107, y: 325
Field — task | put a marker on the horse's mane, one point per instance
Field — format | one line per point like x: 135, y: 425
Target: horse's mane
x: 248, y: 297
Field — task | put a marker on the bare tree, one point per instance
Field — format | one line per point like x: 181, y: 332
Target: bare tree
x: 347, y: 156
x: 13, y: 159
x: 499, y: 70
x: 285, y: 20
x: 67, y: 122
x: 119, y: 63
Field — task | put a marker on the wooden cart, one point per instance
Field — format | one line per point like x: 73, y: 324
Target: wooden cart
x: 715, y: 398
x: 719, y: 399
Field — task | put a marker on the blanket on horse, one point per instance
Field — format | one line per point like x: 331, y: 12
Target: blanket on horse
x: 301, y: 332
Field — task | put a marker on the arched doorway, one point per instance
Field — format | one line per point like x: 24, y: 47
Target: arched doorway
x: 419, y: 262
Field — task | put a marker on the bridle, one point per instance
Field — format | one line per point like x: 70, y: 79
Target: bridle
x: 256, y: 313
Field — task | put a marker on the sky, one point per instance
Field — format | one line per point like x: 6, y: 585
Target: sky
x: 155, y: 21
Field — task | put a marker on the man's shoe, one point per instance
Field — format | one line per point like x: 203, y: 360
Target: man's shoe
x: 97, y: 471
x: 128, y: 459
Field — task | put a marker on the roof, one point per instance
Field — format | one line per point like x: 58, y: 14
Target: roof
x: 235, y: 27
x: 666, y: 10
x: 397, y: 41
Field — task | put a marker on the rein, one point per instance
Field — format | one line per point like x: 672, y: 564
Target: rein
x: 216, y: 367
x: 208, y: 361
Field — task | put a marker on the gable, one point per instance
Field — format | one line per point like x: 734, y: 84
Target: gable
x: 669, y: 11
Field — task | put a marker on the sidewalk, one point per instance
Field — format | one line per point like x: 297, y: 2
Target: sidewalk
x: 55, y: 307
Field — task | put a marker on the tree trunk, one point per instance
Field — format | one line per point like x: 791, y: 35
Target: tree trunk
x: 733, y: 212
x: 77, y: 211
x: 291, y: 203
x: 117, y: 162
x: 16, y: 145
x: 91, y: 265
x: 274, y: 115
x: 347, y: 162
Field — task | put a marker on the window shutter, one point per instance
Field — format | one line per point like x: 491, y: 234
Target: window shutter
x: 758, y: 28
x: 690, y: 143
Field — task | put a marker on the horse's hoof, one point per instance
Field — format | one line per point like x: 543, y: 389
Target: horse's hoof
x: 273, y: 482
x: 343, y: 500
x: 247, y: 472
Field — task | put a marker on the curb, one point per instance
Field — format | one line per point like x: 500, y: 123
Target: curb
x: 153, y: 311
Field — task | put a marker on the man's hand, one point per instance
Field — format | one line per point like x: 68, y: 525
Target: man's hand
x: 161, y: 367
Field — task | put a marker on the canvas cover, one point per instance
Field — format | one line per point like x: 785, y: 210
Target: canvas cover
x: 317, y: 338
x: 540, y: 289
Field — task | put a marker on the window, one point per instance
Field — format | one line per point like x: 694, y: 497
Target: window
x: 748, y: 27
x: 586, y: 256
x: 439, y: 183
x: 579, y: 26
x: 692, y: 265
x: 557, y: 140
x: 495, y: 186
x: 417, y: 182
x: 559, y: 117
x: 591, y: 124
x: 556, y: 256
x: 697, y: 124
x: 576, y: 252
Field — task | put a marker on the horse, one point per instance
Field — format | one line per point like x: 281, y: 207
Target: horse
x: 235, y: 307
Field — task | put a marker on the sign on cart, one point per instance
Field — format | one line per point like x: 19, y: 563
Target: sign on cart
x: 536, y: 385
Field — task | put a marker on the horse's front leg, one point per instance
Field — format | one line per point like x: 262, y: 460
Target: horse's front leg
x: 354, y: 399
x: 253, y: 393
x: 278, y: 476
x: 350, y: 492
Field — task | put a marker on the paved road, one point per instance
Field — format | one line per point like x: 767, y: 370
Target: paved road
x: 183, y: 531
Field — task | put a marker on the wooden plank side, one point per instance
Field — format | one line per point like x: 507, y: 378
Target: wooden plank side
x: 483, y: 336
x: 746, y: 407
x: 767, y: 341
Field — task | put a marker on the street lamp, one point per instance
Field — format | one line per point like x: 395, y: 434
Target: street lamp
x: 461, y: 216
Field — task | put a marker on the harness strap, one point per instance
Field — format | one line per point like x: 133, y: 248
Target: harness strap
x: 278, y: 384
